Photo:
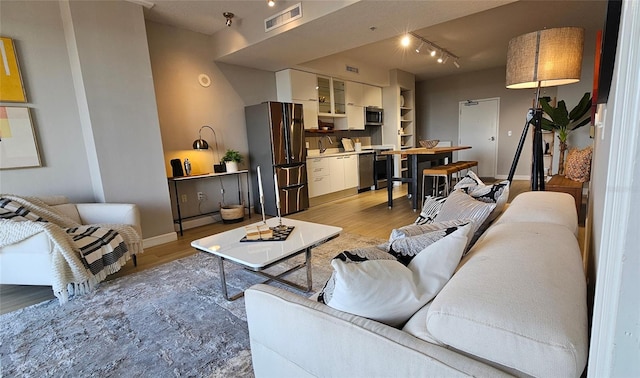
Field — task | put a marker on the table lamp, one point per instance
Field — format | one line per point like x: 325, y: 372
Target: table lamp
x: 544, y: 58
x: 201, y: 144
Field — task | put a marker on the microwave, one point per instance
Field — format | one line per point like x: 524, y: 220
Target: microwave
x: 373, y: 116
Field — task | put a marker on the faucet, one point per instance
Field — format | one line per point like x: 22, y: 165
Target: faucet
x: 321, y: 146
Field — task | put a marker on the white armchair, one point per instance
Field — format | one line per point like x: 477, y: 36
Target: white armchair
x: 28, y: 262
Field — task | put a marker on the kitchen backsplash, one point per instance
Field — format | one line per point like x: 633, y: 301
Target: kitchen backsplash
x: 365, y: 137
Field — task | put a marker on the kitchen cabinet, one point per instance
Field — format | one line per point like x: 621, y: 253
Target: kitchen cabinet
x: 299, y: 87
x: 318, y: 176
x: 331, y: 97
x: 350, y: 163
x: 332, y: 174
x: 371, y: 96
x: 355, y: 104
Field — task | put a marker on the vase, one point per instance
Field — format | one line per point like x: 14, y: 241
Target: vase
x: 232, y: 166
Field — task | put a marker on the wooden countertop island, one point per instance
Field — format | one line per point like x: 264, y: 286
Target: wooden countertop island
x: 415, y: 156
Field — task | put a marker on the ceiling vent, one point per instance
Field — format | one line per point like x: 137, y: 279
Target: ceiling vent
x: 286, y: 16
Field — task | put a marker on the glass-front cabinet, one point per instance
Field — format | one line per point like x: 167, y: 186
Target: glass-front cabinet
x: 331, y: 99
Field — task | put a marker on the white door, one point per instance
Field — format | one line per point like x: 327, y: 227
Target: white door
x: 478, y: 128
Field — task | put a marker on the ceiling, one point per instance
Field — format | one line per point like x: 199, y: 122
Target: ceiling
x: 476, y: 31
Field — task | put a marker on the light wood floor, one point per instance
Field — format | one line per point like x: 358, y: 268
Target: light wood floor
x: 366, y: 214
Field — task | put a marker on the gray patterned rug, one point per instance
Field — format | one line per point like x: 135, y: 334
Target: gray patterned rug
x: 167, y: 321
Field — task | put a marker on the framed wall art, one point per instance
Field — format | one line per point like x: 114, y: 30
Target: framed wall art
x: 11, y: 87
x: 18, y: 147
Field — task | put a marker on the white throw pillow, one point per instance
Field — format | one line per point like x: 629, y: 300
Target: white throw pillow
x: 389, y: 292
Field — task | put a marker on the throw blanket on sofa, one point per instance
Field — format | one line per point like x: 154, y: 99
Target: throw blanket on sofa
x: 82, y: 255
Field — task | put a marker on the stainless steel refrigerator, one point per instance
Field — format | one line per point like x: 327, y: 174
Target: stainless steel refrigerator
x: 276, y: 143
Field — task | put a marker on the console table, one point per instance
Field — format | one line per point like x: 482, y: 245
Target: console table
x: 176, y: 180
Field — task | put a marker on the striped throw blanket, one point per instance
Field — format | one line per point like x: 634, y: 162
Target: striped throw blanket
x: 83, y: 255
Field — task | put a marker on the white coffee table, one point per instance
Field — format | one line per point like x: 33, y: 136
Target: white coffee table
x: 256, y: 256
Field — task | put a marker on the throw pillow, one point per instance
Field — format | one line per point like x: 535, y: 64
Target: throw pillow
x: 405, y: 249
x: 418, y: 229
x: 578, y: 165
x: 497, y: 193
x: 460, y: 205
x: 389, y: 292
x: 353, y: 256
x: 430, y: 209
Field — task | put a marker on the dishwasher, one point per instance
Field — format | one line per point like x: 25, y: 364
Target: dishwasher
x: 365, y: 172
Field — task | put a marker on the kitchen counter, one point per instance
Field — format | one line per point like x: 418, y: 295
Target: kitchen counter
x: 334, y: 152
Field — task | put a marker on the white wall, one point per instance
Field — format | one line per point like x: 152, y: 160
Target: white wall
x: 87, y: 73
x: 178, y: 57
x: 38, y: 34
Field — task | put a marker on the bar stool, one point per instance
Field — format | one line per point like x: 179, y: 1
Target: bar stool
x: 436, y: 172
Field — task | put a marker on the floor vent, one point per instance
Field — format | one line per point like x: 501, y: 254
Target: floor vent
x: 286, y: 16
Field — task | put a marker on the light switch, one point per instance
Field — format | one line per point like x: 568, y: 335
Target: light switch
x: 509, y: 133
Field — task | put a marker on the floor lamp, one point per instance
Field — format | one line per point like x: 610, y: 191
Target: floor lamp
x: 545, y: 58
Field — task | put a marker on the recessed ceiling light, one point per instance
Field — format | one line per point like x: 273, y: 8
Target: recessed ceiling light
x: 271, y: 3
x: 405, y: 41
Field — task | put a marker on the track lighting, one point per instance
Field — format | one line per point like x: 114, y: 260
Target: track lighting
x: 271, y: 3
x: 432, y: 48
x: 229, y: 17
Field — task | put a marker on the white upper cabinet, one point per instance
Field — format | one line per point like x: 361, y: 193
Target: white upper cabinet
x: 299, y: 87
x: 371, y: 96
x: 353, y: 93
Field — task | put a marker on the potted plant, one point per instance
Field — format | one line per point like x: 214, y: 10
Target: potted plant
x: 563, y: 122
x: 231, y: 159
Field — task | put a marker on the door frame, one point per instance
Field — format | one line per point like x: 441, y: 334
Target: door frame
x: 494, y: 169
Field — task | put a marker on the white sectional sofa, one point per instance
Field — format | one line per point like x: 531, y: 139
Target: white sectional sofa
x: 516, y: 306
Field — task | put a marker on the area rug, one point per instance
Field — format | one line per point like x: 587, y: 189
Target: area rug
x: 167, y: 321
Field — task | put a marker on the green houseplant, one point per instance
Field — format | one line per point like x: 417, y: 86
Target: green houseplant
x: 231, y: 159
x: 561, y: 121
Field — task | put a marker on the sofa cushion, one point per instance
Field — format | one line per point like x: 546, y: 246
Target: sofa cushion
x: 547, y: 207
x: 390, y: 292
x: 537, y: 323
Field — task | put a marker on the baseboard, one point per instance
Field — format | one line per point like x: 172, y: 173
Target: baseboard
x: 197, y: 222
x: 160, y: 239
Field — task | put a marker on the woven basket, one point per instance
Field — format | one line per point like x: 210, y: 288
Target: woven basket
x: 430, y: 143
x: 232, y: 213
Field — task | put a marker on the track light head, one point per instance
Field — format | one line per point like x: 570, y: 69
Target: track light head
x: 419, y: 47
x: 455, y: 63
x: 229, y: 17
